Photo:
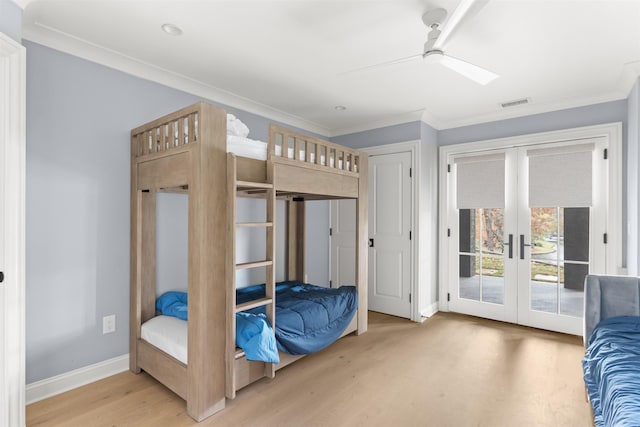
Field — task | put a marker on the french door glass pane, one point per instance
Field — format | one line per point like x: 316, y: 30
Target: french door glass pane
x: 481, y: 247
x: 559, y: 259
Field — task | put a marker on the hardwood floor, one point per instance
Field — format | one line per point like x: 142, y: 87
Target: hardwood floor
x: 451, y: 370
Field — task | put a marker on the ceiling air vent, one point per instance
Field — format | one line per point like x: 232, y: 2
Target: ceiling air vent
x: 515, y: 103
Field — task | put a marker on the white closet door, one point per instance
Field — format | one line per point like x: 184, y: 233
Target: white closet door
x: 390, y: 234
x: 343, y: 243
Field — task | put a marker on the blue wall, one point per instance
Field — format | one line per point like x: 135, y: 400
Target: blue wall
x: 615, y: 111
x: 387, y: 135
x: 79, y: 115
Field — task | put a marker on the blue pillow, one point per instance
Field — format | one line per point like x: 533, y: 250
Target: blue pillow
x: 173, y: 304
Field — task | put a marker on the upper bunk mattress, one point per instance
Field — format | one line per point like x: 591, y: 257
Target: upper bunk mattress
x: 612, y: 371
x: 254, y: 149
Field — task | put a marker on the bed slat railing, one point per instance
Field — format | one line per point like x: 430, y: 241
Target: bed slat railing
x: 288, y: 146
x: 169, y: 133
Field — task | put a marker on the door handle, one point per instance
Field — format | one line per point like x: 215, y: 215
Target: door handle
x: 370, y: 243
x: 1, y: 276
x: 510, y: 244
x: 522, y: 245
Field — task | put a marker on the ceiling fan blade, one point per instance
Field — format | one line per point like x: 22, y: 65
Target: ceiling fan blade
x: 473, y: 72
x: 465, y: 9
x: 382, y: 64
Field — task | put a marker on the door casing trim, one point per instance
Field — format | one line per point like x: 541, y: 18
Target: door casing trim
x: 12, y: 294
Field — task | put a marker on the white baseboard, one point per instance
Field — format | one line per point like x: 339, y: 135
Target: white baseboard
x: 430, y: 310
x: 69, y: 380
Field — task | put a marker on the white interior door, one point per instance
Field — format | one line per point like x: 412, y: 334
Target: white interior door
x: 343, y: 243
x: 390, y: 234
x: 528, y: 224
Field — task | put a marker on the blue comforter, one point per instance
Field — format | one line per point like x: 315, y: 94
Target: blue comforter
x: 308, y: 318
x: 254, y: 334
x: 612, y: 371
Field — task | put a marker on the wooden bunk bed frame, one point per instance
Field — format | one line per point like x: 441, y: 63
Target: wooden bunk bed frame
x: 186, y: 152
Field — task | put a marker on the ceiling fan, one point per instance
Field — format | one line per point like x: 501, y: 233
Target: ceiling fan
x: 433, y: 51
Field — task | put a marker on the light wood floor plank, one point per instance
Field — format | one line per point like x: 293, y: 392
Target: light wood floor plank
x: 451, y: 370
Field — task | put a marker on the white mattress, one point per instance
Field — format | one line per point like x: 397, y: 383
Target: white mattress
x: 254, y: 149
x: 167, y: 333
x: 246, y: 147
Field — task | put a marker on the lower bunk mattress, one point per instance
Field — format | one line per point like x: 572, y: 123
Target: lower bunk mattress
x: 612, y: 371
x: 308, y: 319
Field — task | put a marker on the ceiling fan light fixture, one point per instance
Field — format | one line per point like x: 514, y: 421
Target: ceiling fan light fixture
x: 433, y: 56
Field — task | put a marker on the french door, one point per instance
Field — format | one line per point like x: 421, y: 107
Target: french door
x: 526, y: 224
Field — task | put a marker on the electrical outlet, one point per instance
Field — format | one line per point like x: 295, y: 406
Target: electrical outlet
x: 109, y: 324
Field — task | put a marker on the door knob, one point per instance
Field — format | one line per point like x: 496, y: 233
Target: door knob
x: 522, y: 245
x: 370, y: 243
x: 1, y: 276
x: 510, y: 244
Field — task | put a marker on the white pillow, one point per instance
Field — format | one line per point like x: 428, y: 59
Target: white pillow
x: 236, y: 127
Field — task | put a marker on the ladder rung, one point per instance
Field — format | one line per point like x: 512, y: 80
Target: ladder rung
x: 253, y: 264
x: 245, y: 185
x: 254, y: 224
x: 253, y: 304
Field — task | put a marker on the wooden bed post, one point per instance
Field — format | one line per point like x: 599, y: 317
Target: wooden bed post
x: 296, y: 216
x: 148, y: 255
x: 135, y: 318
x: 207, y: 266
x: 362, y: 240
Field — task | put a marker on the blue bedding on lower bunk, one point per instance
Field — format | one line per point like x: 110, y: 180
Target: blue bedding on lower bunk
x: 253, y: 332
x: 308, y: 318
x: 612, y: 371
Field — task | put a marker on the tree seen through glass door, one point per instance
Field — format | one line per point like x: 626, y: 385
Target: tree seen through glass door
x: 482, y: 255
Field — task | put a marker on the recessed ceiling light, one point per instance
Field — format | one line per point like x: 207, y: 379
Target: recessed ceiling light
x: 172, y: 29
x: 340, y: 108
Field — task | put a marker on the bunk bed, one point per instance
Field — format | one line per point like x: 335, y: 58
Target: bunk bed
x: 186, y: 152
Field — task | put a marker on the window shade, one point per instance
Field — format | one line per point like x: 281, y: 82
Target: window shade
x: 561, y: 176
x: 480, y: 181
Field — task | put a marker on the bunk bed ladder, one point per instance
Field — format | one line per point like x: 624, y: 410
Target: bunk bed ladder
x: 234, y: 186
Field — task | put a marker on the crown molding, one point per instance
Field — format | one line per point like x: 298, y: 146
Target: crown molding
x: 409, y: 117
x: 531, y: 110
x: 22, y: 4
x: 64, y: 42
x: 627, y: 81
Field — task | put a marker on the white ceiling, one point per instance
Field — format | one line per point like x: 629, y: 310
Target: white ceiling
x: 287, y: 59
